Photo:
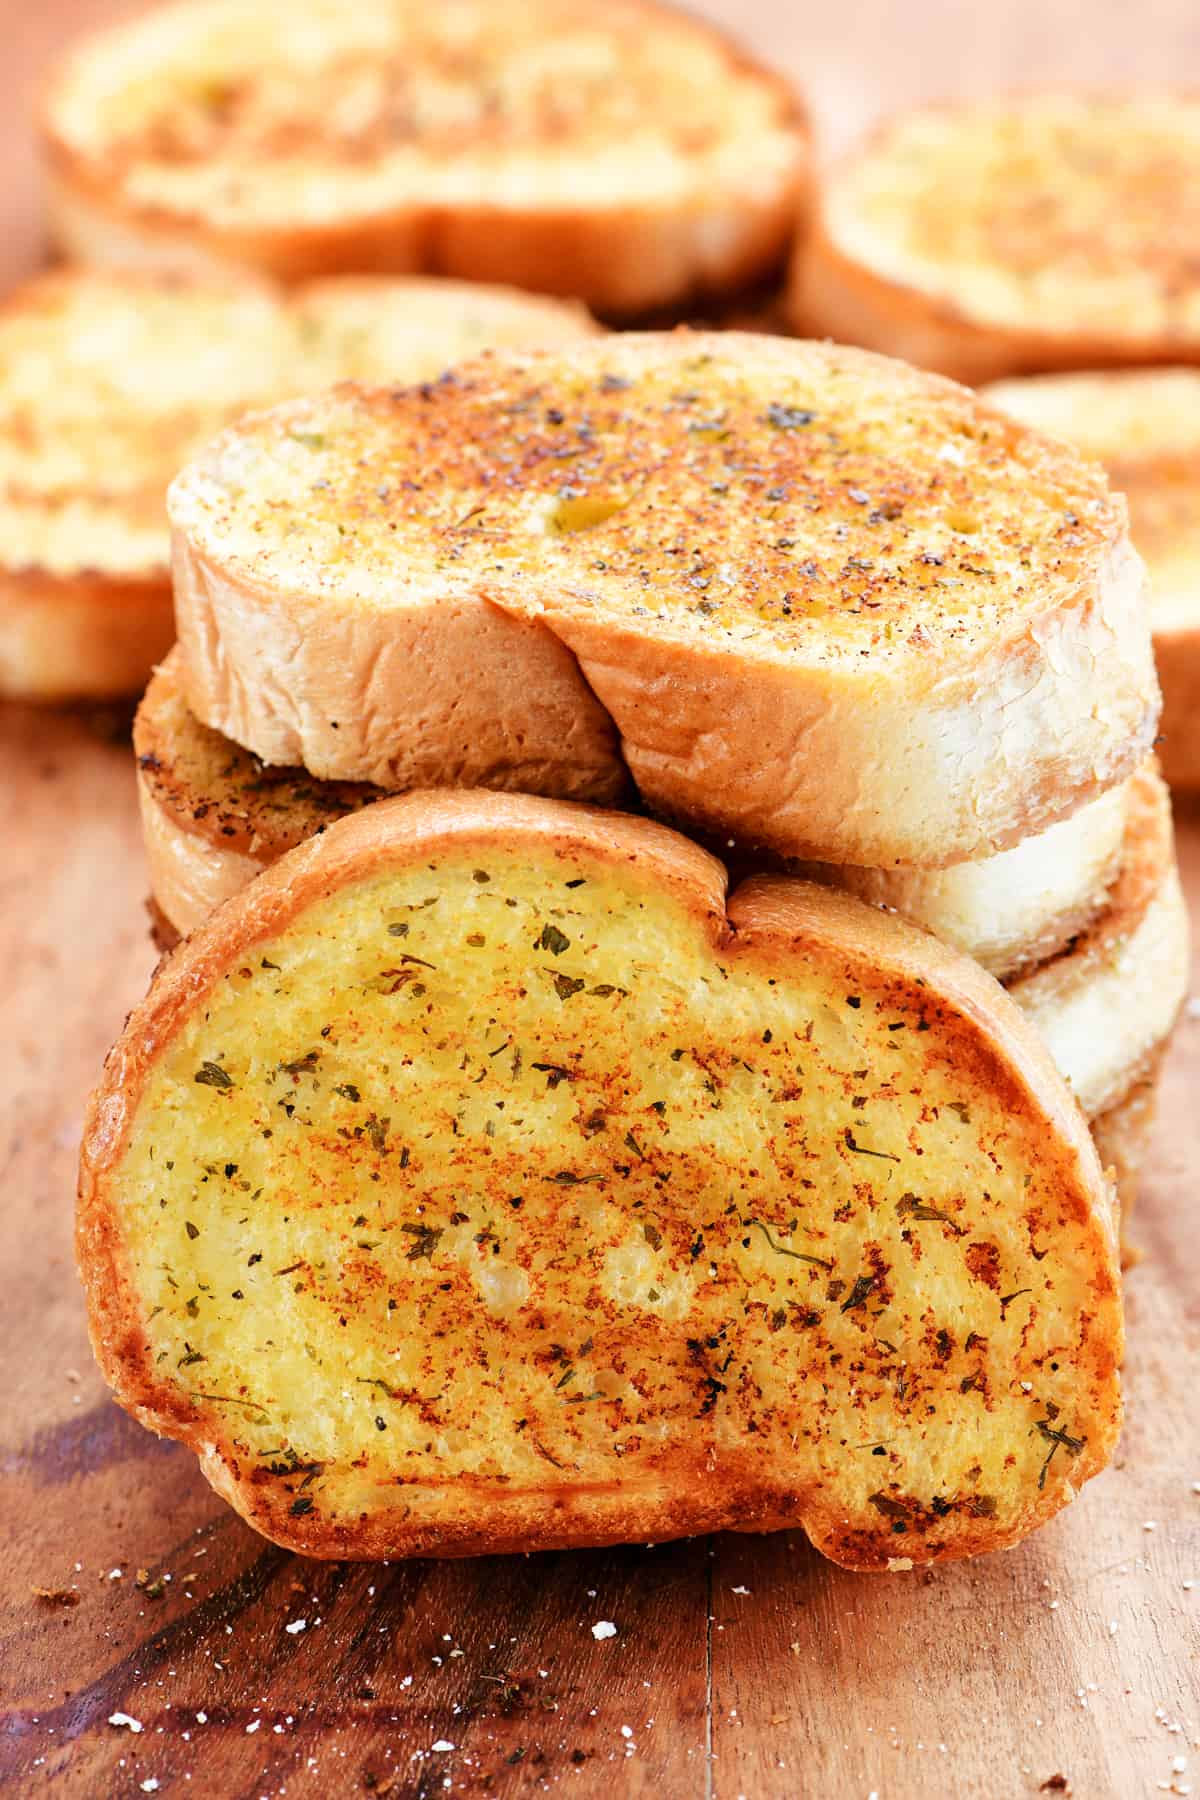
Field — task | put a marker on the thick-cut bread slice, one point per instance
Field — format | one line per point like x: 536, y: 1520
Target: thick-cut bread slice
x: 478, y: 1180
x: 834, y: 606
x: 214, y: 816
x: 109, y: 382
x: 610, y: 149
x: 1144, y: 425
x: 1015, y: 235
x: 1107, y: 1005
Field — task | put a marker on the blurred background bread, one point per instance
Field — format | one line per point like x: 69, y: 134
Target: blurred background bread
x: 1144, y: 425
x: 612, y: 150
x: 110, y: 379
x: 1014, y: 235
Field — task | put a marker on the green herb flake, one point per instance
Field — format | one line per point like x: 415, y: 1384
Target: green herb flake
x: 211, y: 1074
x: 553, y: 940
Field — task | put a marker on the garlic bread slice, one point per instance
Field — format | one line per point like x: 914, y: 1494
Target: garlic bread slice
x: 1014, y: 235
x: 479, y: 1180
x: 833, y: 606
x: 1144, y: 426
x: 613, y: 150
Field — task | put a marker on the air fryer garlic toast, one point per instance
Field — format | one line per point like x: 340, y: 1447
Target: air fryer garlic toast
x: 610, y: 149
x: 1008, y: 236
x: 108, y: 382
x: 832, y: 605
x: 1144, y: 426
x: 478, y: 1180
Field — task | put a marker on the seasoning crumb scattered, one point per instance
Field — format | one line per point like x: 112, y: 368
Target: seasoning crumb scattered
x: 604, y: 1628
x: 123, y: 1718
x: 56, y: 1596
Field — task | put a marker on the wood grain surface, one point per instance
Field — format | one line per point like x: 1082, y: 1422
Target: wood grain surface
x: 739, y: 1667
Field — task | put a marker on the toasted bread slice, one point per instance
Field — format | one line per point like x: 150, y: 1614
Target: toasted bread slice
x: 214, y: 816
x: 613, y: 150
x: 833, y: 605
x: 478, y: 1181
x: 1108, y: 1004
x: 1014, y: 235
x: 1144, y: 425
x: 108, y: 382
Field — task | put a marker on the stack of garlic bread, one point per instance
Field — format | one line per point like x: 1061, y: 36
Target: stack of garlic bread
x: 907, y: 660
x: 478, y: 1174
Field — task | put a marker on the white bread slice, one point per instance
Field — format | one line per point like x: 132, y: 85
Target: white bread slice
x: 1014, y: 235
x: 214, y: 816
x: 1144, y: 426
x: 478, y: 1180
x: 833, y: 606
x: 1107, y: 1005
x: 613, y: 150
x: 109, y: 381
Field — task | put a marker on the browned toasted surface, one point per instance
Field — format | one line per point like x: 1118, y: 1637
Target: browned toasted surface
x: 639, y: 1216
x: 210, y: 785
x: 732, y: 485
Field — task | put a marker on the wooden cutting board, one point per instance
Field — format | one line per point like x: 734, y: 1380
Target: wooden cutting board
x: 738, y: 1666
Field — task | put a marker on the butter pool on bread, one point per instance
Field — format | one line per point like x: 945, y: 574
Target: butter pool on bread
x: 1013, y: 235
x: 613, y: 150
x: 832, y: 606
x: 109, y: 381
x: 481, y: 1178
x: 1144, y: 426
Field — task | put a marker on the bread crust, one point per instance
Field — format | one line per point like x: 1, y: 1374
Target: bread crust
x: 708, y: 205
x: 108, y: 382
x: 1123, y: 164
x: 874, y: 713
x: 770, y: 920
x: 1142, y: 425
x: 1107, y: 1004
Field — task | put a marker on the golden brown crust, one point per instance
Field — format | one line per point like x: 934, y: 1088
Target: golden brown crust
x: 109, y: 381
x: 814, y: 629
x: 623, y: 153
x: 1031, y: 233
x: 774, y: 929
